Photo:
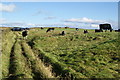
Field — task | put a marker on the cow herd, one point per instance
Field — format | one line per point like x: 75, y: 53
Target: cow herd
x: 101, y: 28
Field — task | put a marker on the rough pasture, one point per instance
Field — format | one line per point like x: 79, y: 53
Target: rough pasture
x: 50, y: 55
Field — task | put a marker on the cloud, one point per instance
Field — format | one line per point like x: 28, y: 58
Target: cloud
x: 50, y: 17
x: 7, y: 7
x: 14, y: 24
x: 84, y: 20
x: 5, y: 23
x: 114, y: 24
x: 17, y: 24
x: 41, y: 12
x: 90, y: 23
x: 37, y: 13
x: 94, y: 25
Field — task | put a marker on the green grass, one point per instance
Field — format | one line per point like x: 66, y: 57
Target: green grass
x: 18, y: 67
x: 8, y: 39
x: 92, y: 55
x: 38, y: 67
x: 61, y: 69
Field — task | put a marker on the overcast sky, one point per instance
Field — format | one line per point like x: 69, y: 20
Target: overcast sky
x: 74, y: 14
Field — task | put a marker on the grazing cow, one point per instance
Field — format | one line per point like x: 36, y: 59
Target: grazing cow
x: 63, y: 33
x: 105, y: 27
x: 85, y: 31
x: 49, y: 29
x: 117, y: 30
x: 98, y: 30
x: 24, y: 33
x: 42, y: 28
x: 76, y: 29
x: 66, y: 27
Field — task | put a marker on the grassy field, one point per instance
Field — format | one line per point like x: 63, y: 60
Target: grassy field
x: 50, y: 55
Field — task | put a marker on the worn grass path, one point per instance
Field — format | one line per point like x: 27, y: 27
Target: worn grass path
x: 38, y: 68
x: 23, y: 63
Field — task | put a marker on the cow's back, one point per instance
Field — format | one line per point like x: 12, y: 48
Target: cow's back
x: 105, y: 26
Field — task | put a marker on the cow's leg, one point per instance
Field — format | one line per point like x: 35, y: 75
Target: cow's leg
x: 26, y: 37
x: 110, y: 30
x: 23, y: 38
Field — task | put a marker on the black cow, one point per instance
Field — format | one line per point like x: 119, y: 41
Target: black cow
x: 85, y: 31
x: 66, y: 27
x: 42, y: 28
x: 76, y: 29
x: 63, y: 33
x: 117, y: 30
x: 98, y: 30
x: 49, y: 29
x: 105, y: 27
x: 24, y: 33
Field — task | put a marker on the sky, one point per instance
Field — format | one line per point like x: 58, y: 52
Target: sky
x: 59, y: 0
x: 87, y: 15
